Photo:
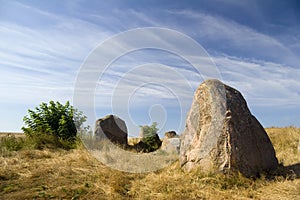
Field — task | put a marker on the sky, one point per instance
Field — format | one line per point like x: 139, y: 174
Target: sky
x: 45, y: 48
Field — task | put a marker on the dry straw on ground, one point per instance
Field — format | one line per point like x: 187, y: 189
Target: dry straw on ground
x: 75, y: 174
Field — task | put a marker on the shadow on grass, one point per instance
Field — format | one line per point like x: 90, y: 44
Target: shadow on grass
x: 293, y: 170
x: 289, y: 172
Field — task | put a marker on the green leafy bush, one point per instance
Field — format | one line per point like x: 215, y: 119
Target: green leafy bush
x: 150, y: 140
x: 42, y: 141
x: 53, y: 123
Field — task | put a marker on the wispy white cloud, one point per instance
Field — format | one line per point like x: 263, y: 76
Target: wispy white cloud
x: 41, y: 63
x: 150, y: 79
x: 221, y: 34
x: 262, y: 83
x: 218, y: 33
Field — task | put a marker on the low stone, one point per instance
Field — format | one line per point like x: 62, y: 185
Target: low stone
x: 171, y: 145
x: 170, y: 134
x: 112, y: 128
x: 221, y: 134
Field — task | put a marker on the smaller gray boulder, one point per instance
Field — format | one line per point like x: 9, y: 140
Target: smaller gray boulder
x: 171, y: 142
x: 171, y: 145
x: 113, y: 128
x: 170, y: 134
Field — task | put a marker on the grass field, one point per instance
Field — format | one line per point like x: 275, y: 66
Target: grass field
x: 75, y: 174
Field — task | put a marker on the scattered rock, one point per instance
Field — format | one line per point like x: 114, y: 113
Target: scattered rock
x: 222, y: 135
x: 171, y: 145
x: 112, y: 128
x: 171, y: 142
x: 170, y: 134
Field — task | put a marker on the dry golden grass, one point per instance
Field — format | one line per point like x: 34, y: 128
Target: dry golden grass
x: 285, y: 141
x: 75, y: 174
x: 16, y: 134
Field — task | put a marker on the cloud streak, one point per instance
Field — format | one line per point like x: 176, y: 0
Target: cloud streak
x: 225, y: 35
x: 263, y: 83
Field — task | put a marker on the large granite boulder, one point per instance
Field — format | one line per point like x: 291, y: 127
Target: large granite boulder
x: 222, y: 135
x: 112, y: 128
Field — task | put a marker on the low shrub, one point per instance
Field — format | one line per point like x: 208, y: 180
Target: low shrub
x: 11, y: 143
x: 53, y: 125
x: 46, y: 141
x: 150, y: 140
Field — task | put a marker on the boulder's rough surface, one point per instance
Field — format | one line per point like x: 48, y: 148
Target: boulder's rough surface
x: 171, y: 145
x: 171, y: 142
x: 112, y: 128
x: 222, y: 135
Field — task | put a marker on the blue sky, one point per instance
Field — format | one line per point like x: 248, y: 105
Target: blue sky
x: 254, y: 44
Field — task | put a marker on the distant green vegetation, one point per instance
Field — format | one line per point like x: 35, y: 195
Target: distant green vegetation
x: 11, y: 143
x: 53, y: 119
x: 51, y: 125
x: 150, y: 141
